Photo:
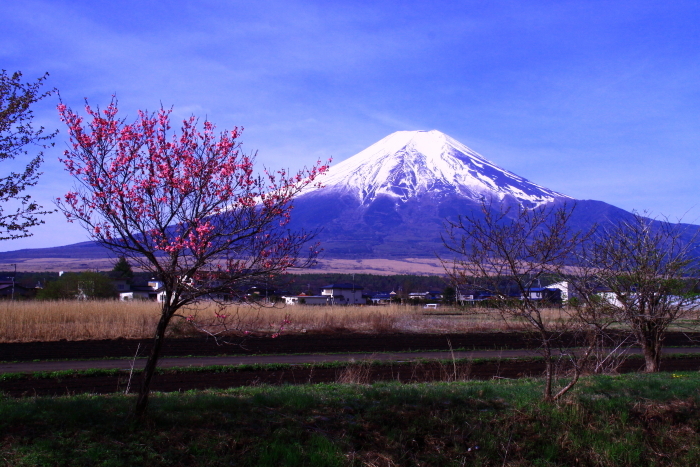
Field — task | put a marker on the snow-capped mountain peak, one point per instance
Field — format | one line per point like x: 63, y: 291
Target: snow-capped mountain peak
x: 409, y: 164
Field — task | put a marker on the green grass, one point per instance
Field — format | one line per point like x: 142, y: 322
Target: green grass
x: 63, y: 374
x: 628, y: 420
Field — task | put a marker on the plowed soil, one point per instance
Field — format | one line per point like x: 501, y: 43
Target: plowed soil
x: 288, y: 344
x: 405, y: 372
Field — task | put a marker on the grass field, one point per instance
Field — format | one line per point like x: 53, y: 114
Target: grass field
x: 79, y: 320
x: 629, y: 420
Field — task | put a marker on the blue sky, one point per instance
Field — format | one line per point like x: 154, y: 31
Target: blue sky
x: 594, y: 99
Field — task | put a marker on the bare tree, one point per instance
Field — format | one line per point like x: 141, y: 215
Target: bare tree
x: 645, y: 272
x: 504, y: 253
x: 185, y: 206
x: 18, y: 212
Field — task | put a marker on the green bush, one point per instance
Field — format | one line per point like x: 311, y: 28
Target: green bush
x: 78, y: 285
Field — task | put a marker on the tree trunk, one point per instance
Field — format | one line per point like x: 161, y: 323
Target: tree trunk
x: 652, y: 357
x: 149, y: 370
x: 548, y: 370
x: 649, y: 339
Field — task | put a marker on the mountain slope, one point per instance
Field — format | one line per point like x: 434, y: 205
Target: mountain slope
x: 393, y: 198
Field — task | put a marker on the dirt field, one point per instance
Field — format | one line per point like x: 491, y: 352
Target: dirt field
x: 294, y: 344
x: 285, y: 344
x: 354, y: 373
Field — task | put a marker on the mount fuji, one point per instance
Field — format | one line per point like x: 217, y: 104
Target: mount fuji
x: 392, y: 199
x: 409, y: 165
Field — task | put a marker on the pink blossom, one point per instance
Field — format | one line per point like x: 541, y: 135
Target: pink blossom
x: 182, y: 202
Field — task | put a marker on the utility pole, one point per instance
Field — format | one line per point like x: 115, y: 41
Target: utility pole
x: 353, y: 288
x: 14, y: 276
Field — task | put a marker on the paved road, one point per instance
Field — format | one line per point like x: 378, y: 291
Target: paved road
x: 26, y: 367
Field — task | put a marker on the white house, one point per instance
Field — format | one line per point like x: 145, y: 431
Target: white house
x: 152, y: 291
x: 307, y: 300
x: 471, y: 296
x: 382, y: 298
x: 430, y: 295
x: 544, y: 294
x: 565, y: 288
x: 344, y: 294
x: 334, y: 294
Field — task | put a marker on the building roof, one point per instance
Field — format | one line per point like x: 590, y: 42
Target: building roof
x: 382, y: 295
x: 142, y: 288
x: 16, y: 286
x: 326, y: 297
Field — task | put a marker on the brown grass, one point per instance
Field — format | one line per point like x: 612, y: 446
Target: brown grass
x: 76, y: 320
x: 80, y: 320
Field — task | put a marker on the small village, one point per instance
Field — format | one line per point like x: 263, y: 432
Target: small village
x: 335, y: 294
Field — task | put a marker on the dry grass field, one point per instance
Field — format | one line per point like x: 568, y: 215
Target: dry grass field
x: 109, y: 319
x: 33, y: 321
x: 28, y: 321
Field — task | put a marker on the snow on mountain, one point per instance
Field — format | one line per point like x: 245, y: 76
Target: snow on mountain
x: 408, y: 164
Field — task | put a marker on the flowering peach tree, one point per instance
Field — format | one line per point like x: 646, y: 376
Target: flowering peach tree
x: 184, y: 205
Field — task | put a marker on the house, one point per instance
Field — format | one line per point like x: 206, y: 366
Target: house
x: 544, y: 294
x: 565, y: 290
x: 334, y: 294
x: 307, y: 299
x: 9, y: 289
x: 429, y: 295
x: 152, y: 291
x: 381, y: 298
x: 471, y: 296
x: 344, y: 294
x: 121, y: 285
x: 631, y: 299
x: 568, y: 292
x: 620, y: 299
x: 466, y: 295
x: 211, y: 281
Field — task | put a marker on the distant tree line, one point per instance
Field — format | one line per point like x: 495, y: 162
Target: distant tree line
x: 56, y: 287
